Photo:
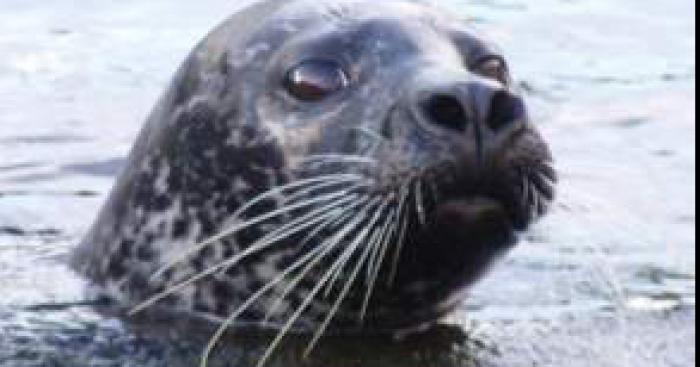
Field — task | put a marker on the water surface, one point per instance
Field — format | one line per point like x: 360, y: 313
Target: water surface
x: 607, y: 280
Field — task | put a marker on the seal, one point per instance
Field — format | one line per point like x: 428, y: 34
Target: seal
x: 315, y: 167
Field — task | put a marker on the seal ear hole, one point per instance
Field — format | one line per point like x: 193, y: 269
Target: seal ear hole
x: 315, y: 80
x: 446, y: 111
x: 505, y: 109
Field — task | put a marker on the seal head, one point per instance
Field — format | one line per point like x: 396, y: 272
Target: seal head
x: 316, y: 164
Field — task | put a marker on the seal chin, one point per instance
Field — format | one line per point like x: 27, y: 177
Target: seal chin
x: 460, y: 241
x: 476, y: 231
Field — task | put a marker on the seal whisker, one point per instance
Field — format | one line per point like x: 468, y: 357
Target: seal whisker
x: 320, y: 180
x: 372, y: 133
x: 378, y: 140
x: 373, y: 258
x: 305, y: 222
x: 526, y: 197
x: 375, y: 244
x: 329, y: 246
x: 338, y: 158
x: 371, y: 224
x: 403, y: 219
x: 525, y: 188
x: 386, y: 235
x: 230, y: 321
x: 348, y: 284
x: 399, y: 249
x: 534, y: 200
x: 267, y: 241
x: 331, y: 222
x: 251, y: 222
x: 544, y: 184
x: 358, y: 183
x: 343, y: 216
x: 420, y: 204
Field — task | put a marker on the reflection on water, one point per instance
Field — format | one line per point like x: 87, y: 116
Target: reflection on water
x: 607, y: 280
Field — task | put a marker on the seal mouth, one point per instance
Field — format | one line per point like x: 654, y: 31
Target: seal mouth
x: 453, y: 224
x: 523, y: 191
x: 445, y: 205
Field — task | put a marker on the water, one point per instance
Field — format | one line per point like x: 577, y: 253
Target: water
x: 607, y: 280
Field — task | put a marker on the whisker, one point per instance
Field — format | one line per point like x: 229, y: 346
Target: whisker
x: 337, y: 158
x: 525, y: 190
x: 307, y: 301
x: 294, y: 227
x: 547, y: 169
x: 373, y: 133
x: 399, y: 250
x: 250, y: 222
x: 403, y: 215
x: 335, y: 241
x: 330, y: 223
x: 544, y: 184
x: 250, y: 301
x: 542, y: 205
x: 534, y: 200
x: 359, y: 239
x: 526, y: 196
x: 374, y: 244
x: 420, y: 204
x: 375, y: 253
x: 324, y: 185
x: 346, y: 289
x: 321, y: 180
x: 386, y: 236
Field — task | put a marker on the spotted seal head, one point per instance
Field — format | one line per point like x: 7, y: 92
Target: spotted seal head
x: 334, y: 165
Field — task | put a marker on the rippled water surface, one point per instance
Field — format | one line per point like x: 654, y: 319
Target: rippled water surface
x: 607, y: 280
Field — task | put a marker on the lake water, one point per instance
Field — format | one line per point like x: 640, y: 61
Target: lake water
x: 607, y: 280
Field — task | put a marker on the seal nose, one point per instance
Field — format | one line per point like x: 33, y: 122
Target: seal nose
x: 505, y: 108
x: 446, y: 111
x: 480, y: 102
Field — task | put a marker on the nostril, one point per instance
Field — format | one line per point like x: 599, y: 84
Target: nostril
x: 446, y: 111
x: 505, y: 109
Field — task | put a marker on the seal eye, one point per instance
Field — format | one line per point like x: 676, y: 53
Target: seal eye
x: 315, y: 80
